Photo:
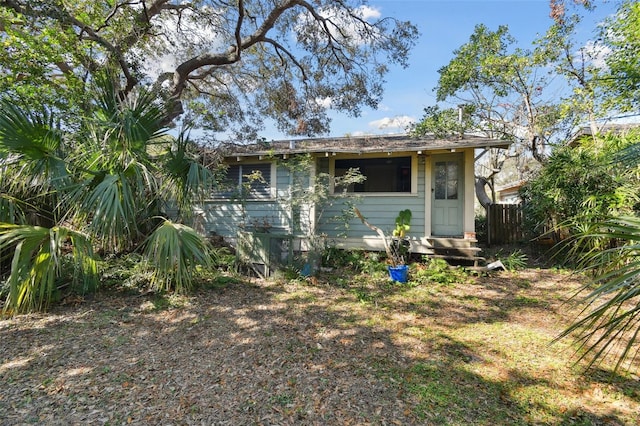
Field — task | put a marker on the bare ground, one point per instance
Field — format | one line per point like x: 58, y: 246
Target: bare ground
x: 311, y: 352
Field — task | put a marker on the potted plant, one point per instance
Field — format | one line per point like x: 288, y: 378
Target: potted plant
x: 397, y: 246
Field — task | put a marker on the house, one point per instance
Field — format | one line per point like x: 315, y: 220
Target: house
x: 510, y: 193
x: 608, y: 128
x: 434, y: 178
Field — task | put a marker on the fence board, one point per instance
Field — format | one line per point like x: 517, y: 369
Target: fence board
x: 504, y: 223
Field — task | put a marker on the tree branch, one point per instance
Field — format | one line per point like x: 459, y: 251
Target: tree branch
x: 230, y: 56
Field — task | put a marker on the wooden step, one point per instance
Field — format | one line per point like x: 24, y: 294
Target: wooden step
x: 451, y: 242
x: 476, y: 260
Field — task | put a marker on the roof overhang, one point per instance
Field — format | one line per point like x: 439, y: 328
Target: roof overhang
x: 361, y: 145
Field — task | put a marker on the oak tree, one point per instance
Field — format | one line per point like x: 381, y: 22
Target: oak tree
x: 217, y: 63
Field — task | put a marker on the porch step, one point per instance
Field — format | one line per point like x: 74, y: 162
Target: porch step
x: 477, y: 260
x: 456, y: 250
x: 452, y: 242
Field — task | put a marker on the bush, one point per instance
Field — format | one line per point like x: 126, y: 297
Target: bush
x: 436, y: 271
x: 513, y: 261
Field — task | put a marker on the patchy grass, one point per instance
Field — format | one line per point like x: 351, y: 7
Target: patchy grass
x: 341, y: 348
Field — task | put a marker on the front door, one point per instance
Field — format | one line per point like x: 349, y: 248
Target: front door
x: 447, y: 190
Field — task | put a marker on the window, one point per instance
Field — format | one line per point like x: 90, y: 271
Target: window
x: 254, y: 179
x: 387, y: 174
x: 446, y: 182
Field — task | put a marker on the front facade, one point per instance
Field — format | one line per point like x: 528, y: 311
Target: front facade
x: 434, y: 178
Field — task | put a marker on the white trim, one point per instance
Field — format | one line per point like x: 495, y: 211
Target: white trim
x: 418, y: 245
x: 273, y: 182
x: 461, y: 191
x: 414, y: 172
x: 427, y: 195
x: 313, y: 220
x: 469, y: 223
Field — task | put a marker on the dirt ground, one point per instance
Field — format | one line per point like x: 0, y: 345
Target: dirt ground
x: 304, y: 352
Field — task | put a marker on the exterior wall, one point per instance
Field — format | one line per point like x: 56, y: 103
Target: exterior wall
x: 379, y: 210
x: 226, y: 216
x: 469, y: 226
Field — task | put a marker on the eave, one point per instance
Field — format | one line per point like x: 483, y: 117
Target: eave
x: 360, y: 145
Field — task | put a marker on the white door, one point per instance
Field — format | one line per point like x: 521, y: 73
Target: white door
x: 447, y: 190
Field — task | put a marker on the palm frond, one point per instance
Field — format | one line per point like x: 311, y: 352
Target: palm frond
x: 127, y: 124
x: 37, y: 262
x: 31, y: 145
x: 188, y: 181
x: 110, y: 209
x: 173, y: 251
x: 629, y: 156
x: 11, y: 209
x: 610, y: 322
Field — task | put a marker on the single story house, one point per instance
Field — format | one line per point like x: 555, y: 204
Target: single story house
x: 432, y: 177
x: 510, y: 192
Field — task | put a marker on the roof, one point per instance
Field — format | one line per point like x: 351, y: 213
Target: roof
x: 511, y: 186
x: 360, y: 145
x: 615, y: 128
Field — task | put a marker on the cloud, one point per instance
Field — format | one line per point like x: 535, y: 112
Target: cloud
x: 368, y: 12
x: 596, y: 54
x: 397, y: 122
x: 344, y: 26
x: 324, y: 102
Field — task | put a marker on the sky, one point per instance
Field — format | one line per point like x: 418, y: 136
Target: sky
x: 444, y: 26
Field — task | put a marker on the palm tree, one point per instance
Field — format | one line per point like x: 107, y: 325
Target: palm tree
x: 609, y: 252
x: 104, y: 187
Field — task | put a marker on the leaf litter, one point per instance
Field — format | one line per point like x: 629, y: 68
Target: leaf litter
x: 280, y: 353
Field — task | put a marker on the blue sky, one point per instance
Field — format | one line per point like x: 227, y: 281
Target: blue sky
x: 445, y: 25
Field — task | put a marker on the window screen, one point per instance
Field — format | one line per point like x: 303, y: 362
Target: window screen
x: 252, y: 179
x: 387, y: 174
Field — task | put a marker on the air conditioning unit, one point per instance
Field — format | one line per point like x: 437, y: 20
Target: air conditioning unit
x: 264, y: 253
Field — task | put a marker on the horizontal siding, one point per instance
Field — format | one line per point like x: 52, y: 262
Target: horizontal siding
x: 224, y: 218
x: 380, y: 211
x: 282, y: 182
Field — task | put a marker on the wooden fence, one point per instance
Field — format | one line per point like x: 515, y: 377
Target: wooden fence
x: 505, y: 223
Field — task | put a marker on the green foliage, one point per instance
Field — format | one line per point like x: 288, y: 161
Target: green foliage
x: 223, y: 258
x: 501, y: 87
x: 104, y: 185
x: 581, y: 185
x: 37, y: 261
x: 443, y: 123
x: 403, y: 223
x: 621, y: 34
x: 284, y: 54
x: 124, y: 273
x: 172, y: 252
x: 513, y: 261
x: 436, y: 271
x: 355, y: 260
x: 604, y: 242
x: 610, y: 253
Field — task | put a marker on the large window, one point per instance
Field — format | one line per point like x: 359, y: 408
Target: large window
x: 252, y: 181
x: 386, y: 174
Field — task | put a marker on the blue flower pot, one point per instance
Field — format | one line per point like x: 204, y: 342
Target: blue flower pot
x: 399, y: 273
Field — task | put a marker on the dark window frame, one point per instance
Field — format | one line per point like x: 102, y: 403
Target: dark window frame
x: 236, y: 178
x: 397, y: 179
